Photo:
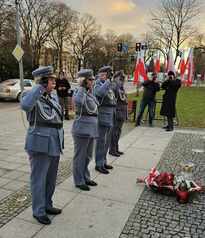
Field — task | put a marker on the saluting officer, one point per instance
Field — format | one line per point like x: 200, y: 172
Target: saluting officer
x: 121, y: 113
x: 107, y: 104
x: 44, y: 141
x: 84, y: 129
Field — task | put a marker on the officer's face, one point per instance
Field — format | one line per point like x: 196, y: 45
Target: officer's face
x: 51, y: 84
x: 89, y: 83
x: 103, y: 76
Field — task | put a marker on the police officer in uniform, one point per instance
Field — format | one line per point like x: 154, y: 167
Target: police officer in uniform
x: 84, y: 129
x: 107, y: 105
x: 121, y: 113
x: 44, y: 141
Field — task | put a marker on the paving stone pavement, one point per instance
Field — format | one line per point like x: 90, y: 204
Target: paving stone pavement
x: 14, y: 166
x: 153, y: 215
x: 161, y: 216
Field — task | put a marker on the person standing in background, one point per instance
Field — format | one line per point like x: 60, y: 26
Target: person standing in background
x: 168, y: 109
x: 62, y: 88
x: 151, y: 87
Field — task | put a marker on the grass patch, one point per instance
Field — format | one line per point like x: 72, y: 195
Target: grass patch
x: 190, y: 106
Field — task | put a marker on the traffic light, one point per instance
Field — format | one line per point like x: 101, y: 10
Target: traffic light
x: 119, y: 47
x: 138, y: 46
x: 144, y: 47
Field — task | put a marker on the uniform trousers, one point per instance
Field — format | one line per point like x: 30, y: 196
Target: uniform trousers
x: 43, y: 181
x: 83, y: 151
x: 115, y: 136
x: 102, y: 145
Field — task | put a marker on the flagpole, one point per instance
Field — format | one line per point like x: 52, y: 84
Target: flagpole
x: 137, y: 88
x: 18, y: 34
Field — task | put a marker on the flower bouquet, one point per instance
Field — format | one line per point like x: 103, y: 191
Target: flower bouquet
x: 169, y: 184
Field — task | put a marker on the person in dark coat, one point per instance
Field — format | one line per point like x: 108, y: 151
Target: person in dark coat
x: 168, y: 109
x: 62, y: 88
x: 121, y: 113
x: 151, y: 87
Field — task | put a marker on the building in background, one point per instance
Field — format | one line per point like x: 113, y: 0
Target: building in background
x: 49, y: 56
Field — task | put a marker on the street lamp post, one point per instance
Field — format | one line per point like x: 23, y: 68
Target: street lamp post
x: 19, y: 43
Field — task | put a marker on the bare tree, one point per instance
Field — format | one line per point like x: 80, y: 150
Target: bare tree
x: 172, y: 22
x: 7, y: 13
x: 35, y: 26
x: 198, y: 43
x: 97, y: 56
x: 110, y: 45
x: 84, y: 36
x: 198, y: 40
x: 8, y: 64
x: 62, y: 21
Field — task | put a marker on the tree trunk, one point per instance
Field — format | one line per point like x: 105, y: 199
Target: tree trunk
x: 60, y: 57
x: 79, y: 64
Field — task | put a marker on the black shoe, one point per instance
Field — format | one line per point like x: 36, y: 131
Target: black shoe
x: 169, y: 129
x: 120, y: 152
x: 91, y: 183
x: 83, y: 187
x: 107, y: 166
x: 165, y: 127
x: 114, y: 154
x: 43, y: 219
x: 102, y: 170
x: 53, y: 211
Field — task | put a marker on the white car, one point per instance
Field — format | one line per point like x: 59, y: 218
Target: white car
x: 10, y: 89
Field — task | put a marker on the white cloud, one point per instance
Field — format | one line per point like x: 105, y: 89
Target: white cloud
x: 122, y: 6
x: 122, y: 16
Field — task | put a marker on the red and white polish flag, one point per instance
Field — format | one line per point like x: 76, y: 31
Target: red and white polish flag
x: 170, y: 62
x: 190, y: 67
x: 182, y: 67
x: 157, y: 64
x: 140, y: 70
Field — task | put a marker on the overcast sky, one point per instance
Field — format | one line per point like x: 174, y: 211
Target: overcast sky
x: 122, y: 15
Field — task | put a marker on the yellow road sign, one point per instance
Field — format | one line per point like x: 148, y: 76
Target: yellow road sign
x: 18, y: 52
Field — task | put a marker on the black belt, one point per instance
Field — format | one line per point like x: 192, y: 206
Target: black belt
x: 86, y: 114
x: 107, y: 105
x: 47, y: 124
